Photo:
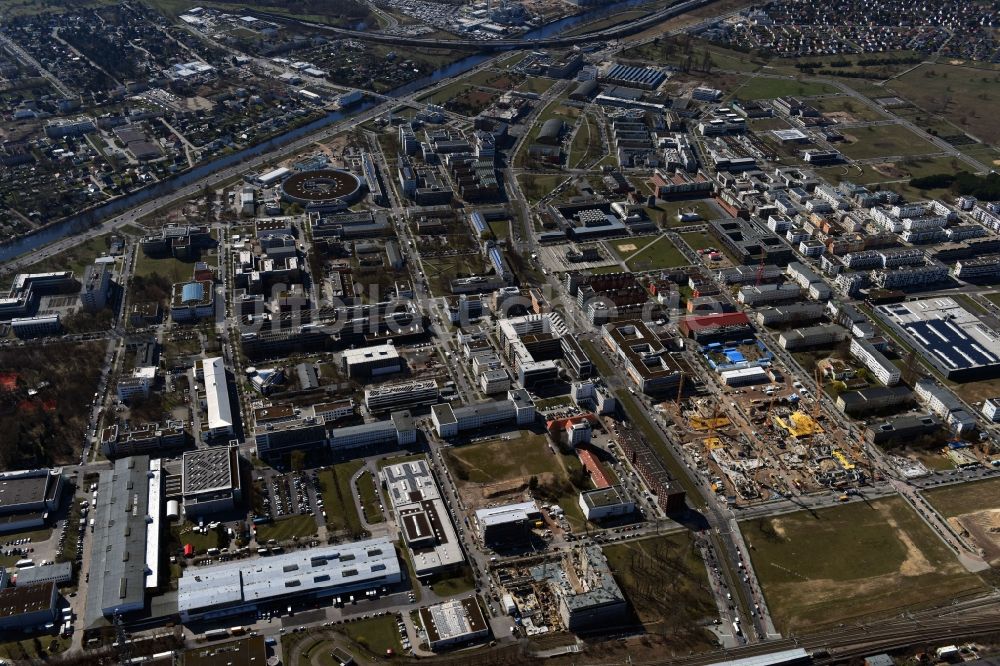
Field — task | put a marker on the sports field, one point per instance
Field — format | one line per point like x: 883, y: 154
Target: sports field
x: 850, y: 562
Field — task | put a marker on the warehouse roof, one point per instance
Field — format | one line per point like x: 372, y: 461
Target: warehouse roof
x: 220, y: 412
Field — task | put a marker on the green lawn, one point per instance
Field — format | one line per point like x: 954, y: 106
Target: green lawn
x: 580, y: 146
x: 883, y: 141
x: 536, y: 84
x: 847, y: 562
x: 171, y: 268
x: 535, y: 187
x: 764, y: 88
x: 666, y: 51
x: 665, y: 212
x: 666, y: 583
x: 500, y: 229
x: 287, y: 528
x: 552, y: 403
x: 376, y: 634
x: 338, y: 498
x: 599, y: 356
x: 440, y: 271
x: 648, y: 253
x: 994, y: 298
x: 505, y: 459
x: 457, y: 583
x: 369, y: 498
x: 404, y: 552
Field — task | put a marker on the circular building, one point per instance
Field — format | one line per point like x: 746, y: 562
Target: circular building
x: 323, y: 189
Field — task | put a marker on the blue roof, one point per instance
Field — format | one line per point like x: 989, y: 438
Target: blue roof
x: 192, y: 292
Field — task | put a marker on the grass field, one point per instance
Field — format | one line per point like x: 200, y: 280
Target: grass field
x: 667, y: 51
x: 665, y: 580
x: 648, y: 253
x: 897, y: 174
x: 961, y: 498
x: 579, y: 149
x: 763, y: 88
x: 849, y: 105
x: 457, y: 583
x: 535, y: 187
x: 338, y: 502
x: 376, y: 634
x: 506, y: 459
x: 963, y: 95
x: 440, y: 271
x: 617, y: 19
x: 877, y: 559
x: 285, y: 529
x: 994, y: 298
x: 883, y: 140
x: 536, y: 84
x: 665, y: 212
x: 185, y: 534
x: 171, y: 268
x: 369, y: 498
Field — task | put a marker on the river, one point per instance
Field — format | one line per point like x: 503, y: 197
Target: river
x: 83, y: 221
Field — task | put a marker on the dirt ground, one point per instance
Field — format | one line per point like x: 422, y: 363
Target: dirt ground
x: 984, y: 528
x: 890, y: 170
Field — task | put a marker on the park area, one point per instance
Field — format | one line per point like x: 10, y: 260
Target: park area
x: 972, y: 508
x: 851, y: 562
x: 648, y: 253
x: 666, y: 583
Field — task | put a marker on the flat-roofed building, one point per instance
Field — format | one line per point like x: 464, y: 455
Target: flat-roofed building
x: 59, y: 573
x: 34, y: 327
x: 125, y: 549
x: 372, y: 361
x: 877, y: 398
x: 219, y: 410
x: 27, y: 497
x: 450, y: 421
x: 508, y: 524
x: 147, y: 438
x: 210, y: 480
x: 399, y: 429
x: 27, y: 607
x: 242, y: 586
x: 646, y: 360
x: 96, y: 287
x: 422, y: 517
x: 590, y: 599
x: 454, y: 622
x: 604, y: 503
x: 880, y: 366
x: 247, y: 651
x: 402, y: 395
x: 991, y: 409
x: 192, y: 300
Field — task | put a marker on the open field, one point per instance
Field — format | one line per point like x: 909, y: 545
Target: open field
x: 648, y: 253
x: 171, y: 268
x: 580, y: 146
x: 185, y: 533
x: 665, y: 580
x: 376, y: 634
x: 896, y: 175
x: 665, y: 212
x: 994, y: 298
x: 887, y: 559
x: 440, y: 271
x: 536, y: 84
x: 963, y: 95
x: 535, y: 187
x: 290, y: 527
x: 763, y: 88
x: 855, y: 110
x: 883, y: 140
x: 338, y: 502
x: 972, y: 509
x: 671, y: 51
x: 616, y: 19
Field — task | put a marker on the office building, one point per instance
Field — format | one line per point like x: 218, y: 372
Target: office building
x: 34, y: 327
x: 604, y: 503
x: 945, y: 404
x: 796, y: 313
x: 372, y: 361
x: 242, y: 586
x: 646, y: 360
x: 508, y: 524
x: 147, y: 438
x: 137, y: 384
x: 955, y: 341
x: 96, y: 286
x: 210, y: 480
x: 878, y: 398
x: 768, y: 294
x: 823, y: 335
x: 881, y: 367
x: 246, y: 651
x: 403, y: 395
x: 903, y: 430
x: 718, y: 327
x: 398, y: 430
x: 591, y: 599
x: 749, y: 242
x: 219, y: 410
x: 454, y: 622
x: 422, y: 517
x: 125, y: 548
x: 59, y: 573
x: 191, y: 301
x: 991, y: 409
x: 451, y: 421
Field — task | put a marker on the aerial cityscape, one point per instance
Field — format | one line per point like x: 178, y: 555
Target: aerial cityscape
x: 498, y: 332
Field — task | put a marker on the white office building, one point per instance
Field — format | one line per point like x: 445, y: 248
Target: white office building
x: 882, y: 368
x: 219, y: 411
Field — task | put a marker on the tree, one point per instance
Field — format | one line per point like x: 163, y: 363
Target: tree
x: 298, y: 460
x: 533, y: 483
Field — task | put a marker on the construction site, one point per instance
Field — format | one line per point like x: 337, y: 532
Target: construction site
x: 765, y: 440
